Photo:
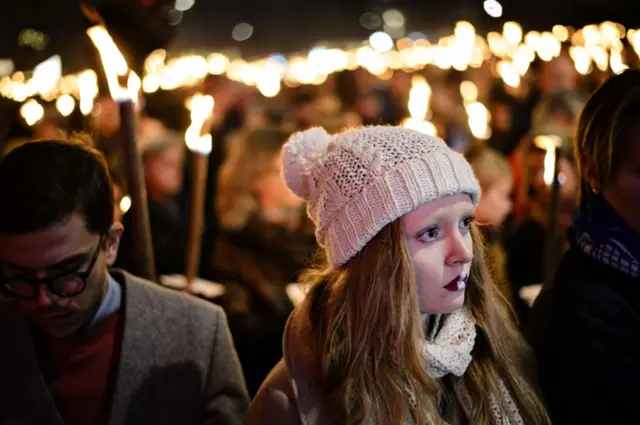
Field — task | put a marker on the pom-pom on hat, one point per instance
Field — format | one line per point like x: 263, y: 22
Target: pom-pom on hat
x: 359, y: 181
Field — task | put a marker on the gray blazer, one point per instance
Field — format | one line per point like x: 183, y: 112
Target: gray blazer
x: 178, y: 364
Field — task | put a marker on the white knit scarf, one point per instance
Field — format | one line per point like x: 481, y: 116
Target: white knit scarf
x: 448, y: 351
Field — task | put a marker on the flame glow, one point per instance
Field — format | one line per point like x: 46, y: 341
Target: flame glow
x: 201, y: 108
x: 65, y: 105
x: 113, y: 62
x: 31, y: 112
x: 419, y: 98
x: 87, y: 90
x: 550, y: 145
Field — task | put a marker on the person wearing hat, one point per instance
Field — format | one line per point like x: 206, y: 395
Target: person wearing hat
x: 403, y: 323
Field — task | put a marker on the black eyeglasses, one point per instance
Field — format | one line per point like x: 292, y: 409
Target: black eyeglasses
x: 64, y: 285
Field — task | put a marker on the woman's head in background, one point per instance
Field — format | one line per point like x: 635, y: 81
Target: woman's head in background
x: 608, y: 146
x: 163, y: 160
x: 250, y: 181
x: 560, y: 109
x: 494, y: 175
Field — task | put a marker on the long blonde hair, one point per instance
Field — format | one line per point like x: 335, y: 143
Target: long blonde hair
x: 365, y: 328
x: 249, y: 158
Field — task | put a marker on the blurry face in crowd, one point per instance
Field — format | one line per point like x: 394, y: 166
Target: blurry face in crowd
x: 273, y: 194
x: 47, y: 130
x: 106, y: 116
x: 567, y: 172
x: 568, y: 190
x: 57, y: 254
x: 369, y: 108
x: 557, y: 75
x: 307, y: 114
x: 495, y: 204
x: 622, y: 190
x: 164, y: 172
x: 501, y: 117
x: 255, y: 118
x: 439, y: 241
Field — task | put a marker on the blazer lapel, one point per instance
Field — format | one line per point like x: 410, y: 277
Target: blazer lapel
x: 131, y: 370
x: 24, y: 396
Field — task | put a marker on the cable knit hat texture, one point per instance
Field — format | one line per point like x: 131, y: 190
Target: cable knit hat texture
x: 359, y: 181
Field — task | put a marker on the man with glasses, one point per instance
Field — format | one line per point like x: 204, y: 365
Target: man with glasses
x: 81, y: 345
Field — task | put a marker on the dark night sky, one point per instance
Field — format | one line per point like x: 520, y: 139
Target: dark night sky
x: 288, y: 25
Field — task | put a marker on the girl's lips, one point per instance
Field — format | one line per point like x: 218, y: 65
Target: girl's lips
x: 459, y: 283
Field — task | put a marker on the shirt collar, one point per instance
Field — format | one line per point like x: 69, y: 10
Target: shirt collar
x: 111, y: 301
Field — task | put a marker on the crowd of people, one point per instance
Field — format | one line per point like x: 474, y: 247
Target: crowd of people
x: 417, y: 256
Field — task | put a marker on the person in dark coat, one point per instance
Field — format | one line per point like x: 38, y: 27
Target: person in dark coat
x: 265, y: 240
x: 585, y: 326
x: 163, y: 160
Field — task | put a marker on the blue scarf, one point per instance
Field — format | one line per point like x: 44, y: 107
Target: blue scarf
x: 604, y: 237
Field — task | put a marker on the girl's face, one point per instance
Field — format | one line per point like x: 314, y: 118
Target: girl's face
x: 438, y: 237
x: 495, y: 204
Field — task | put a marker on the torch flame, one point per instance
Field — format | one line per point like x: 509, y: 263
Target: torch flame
x: 112, y: 60
x: 419, y: 97
x: 32, y: 112
x: 87, y: 90
x: 201, y: 107
x: 549, y: 144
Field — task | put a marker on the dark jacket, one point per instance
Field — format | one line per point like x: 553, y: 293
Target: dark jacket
x: 177, y: 364
x: 168, y: 236
x: 585, y: 332
x: 256, y: 264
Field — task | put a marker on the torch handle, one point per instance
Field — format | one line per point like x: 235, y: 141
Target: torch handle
x: 551, y: 245
x: 143, y: 246
x: 200, y: 164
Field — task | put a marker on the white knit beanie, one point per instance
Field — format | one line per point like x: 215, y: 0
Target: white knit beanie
x: 359, y: 181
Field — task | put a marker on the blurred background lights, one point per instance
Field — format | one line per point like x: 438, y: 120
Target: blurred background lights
x: 174, y: 17
x: 6, y: 67
x: 125, y: 204
x: 47, y: 74
x: 32, y: 112
x: 184, y: 5
x: 493, y: 8
x: 242, y: 31
x: 381, y: 41
x: 370, y: 21
x: 65, y: 105
x: 393, y: 18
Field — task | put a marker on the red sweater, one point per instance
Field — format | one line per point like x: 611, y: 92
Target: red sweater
x: 81, y: 371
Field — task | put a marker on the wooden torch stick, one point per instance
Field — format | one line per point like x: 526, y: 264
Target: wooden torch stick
x: 115, y: 66
x: 200, y: 148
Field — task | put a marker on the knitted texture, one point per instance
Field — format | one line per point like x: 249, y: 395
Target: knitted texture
x: 449, y: 352
x: 359, y: 181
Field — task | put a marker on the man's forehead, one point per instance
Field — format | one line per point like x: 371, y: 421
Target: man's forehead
x: 42, y: 248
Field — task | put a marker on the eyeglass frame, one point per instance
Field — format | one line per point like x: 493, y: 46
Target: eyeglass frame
x: 49, y: 281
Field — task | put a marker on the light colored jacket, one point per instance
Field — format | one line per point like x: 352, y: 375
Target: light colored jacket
x: 177, y: 364
x: 291, y: 394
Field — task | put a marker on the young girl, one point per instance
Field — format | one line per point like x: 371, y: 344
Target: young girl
x: 403, y: 325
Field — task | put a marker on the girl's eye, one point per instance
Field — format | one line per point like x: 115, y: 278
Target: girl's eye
x: 429, y: 235
x: 465, y: 223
